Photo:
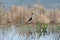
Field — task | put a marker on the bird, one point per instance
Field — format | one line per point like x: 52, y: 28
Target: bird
x: 31, y: 17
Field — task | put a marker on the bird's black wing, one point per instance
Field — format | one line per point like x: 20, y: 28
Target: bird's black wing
x: 29, y: 19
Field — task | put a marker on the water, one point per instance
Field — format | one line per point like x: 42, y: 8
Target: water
x: 27, y: 32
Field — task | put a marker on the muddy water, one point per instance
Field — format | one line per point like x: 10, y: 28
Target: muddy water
x: 27, y: 32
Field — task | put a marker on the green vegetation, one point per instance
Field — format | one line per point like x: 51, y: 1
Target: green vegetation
x: 41, y: 29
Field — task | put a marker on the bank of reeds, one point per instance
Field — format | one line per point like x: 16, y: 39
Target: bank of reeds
x: 21, y: 14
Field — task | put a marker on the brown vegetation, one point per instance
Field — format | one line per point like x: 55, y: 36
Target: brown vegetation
x: 21, y: 14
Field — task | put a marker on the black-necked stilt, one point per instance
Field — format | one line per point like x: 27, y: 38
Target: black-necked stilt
x: 31, y: 17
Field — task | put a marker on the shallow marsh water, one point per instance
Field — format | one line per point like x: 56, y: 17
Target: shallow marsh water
x: 27, y: 32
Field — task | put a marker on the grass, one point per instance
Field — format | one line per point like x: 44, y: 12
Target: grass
x: 20, y: 14
x: 41, y: 28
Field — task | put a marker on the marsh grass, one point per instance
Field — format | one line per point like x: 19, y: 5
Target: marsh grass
x: 42, y: 29
x: 45, y: 29
x: 20, y: 14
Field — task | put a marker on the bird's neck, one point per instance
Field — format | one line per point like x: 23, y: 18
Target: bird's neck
x: 32, y: 15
